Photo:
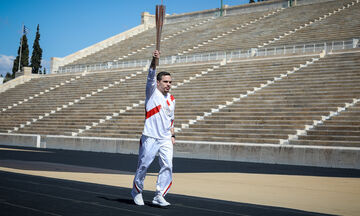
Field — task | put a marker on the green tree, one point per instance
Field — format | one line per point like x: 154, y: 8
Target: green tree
x: 252, y: 1
x: 36, y: 54
x: 24, y: 56
x: 7, y: 77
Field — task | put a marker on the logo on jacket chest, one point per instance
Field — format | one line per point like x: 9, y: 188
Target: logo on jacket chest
x: 168, y: 107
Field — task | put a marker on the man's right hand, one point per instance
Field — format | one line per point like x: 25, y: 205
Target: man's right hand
x: 156, y: 54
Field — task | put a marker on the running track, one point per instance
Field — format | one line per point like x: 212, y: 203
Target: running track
x: 34, y: 195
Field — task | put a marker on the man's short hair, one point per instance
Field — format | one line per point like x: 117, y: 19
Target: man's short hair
x: 161, y: 74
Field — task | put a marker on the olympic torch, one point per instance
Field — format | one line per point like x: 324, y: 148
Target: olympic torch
x: 159, y: 20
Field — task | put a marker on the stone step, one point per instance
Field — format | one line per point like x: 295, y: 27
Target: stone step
x: 235, y: 126
x: 44, y: 132
x: 336, y: 127
x: 112, y: 135
x: 239, y: 112
x: 239, y: 131
x: 261, y: 122
x: 229, y: 139
x: 326, y: 143
x: 239, y: 107
x: 333, y: 133
x: 330, y: 137
x: 264, y: 117
x: 341, y: 122
x: 235, y: 135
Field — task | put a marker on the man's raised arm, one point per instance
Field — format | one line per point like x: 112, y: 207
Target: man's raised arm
x: 151, y: 78
x: 156, y: 56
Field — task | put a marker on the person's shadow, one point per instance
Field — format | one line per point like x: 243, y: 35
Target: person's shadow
x: 121, y: 200
x: 130, y: 202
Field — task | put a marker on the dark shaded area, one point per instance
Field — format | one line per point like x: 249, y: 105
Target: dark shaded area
x: 33, y: 195
x: 127, y: 163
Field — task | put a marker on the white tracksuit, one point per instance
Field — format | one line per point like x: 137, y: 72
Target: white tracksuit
x: 156, y: 137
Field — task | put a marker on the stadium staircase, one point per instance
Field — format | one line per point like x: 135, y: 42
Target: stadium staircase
x: 296, y: 105
x: 141, y: 42
x: 313, y: 23
x: 191, y: 94
x: 309, y: 99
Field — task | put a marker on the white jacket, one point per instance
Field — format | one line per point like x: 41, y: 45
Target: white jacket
x: 159, y: 116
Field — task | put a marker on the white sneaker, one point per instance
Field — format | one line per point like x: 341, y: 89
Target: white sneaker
x: 160, y: 200
x: 138, y: 199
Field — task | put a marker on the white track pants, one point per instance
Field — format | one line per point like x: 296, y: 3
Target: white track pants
x: 149, y: 147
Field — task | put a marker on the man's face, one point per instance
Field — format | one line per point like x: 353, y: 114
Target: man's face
x: 164, y: 85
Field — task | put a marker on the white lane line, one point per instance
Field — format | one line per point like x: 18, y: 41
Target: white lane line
x: 73, y: 200
x: 119, y: 196
x: 28, y: 208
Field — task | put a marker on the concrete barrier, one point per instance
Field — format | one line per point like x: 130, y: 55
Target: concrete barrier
x: 25, y: 140
x: 95, y: 144
x: 319, y: 156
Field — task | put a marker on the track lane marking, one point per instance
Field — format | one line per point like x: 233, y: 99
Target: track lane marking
x: 118, y: 196
x: 28, y: 208
x: 72, y: 200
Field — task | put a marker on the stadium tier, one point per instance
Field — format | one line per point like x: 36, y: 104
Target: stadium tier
x: 201, y: 93
x: 299, y: 99
x: 339, y: 23
x: 250, y: 35
x: 139, y: 43
x: 322, y: 22
x: 288, y: 105
x: 261, y: 100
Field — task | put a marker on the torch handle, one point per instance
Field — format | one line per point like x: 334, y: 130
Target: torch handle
x: 159, y: 19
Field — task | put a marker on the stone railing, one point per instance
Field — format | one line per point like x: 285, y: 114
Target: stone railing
x: 220, y: 55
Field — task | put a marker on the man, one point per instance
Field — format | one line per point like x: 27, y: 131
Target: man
x: 158, y: 135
